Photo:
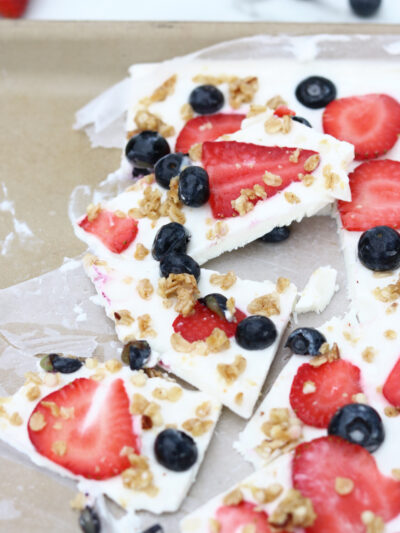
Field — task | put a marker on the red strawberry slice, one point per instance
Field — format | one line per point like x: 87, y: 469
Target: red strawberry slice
x: 318, y: 392
x: 375, y: 193
x: 233, y: 166
x: 283, y: 110
x: 232, y: 518
x: 200, y: 324
x: 93, y: 434
x: 318, y: 463
x: 371, y: 122
x: 13, y: 8
x: 207, y: 128
x: 115, y: 232
x: 391, y: 388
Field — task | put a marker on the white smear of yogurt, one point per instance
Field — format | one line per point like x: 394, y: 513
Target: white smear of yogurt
x: 8, y: 510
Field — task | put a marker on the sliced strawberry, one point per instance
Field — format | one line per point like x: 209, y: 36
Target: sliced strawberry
x: 13, y: 8
x: 375, y: 193
x: 283, y: 110
x: 207, y: 128
x: 233, y: 166
x: 200, y: 324
x: 115, y: 232
x: 94, y: 433
x: 391, y: 388
x: 371, y: 122
x: 231, y: 518
x: 318, y: 392
x: 317, y: 465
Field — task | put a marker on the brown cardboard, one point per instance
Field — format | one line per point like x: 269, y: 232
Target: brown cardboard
x: 47, y: 72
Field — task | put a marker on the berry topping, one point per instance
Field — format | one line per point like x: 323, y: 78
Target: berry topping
x: 154, y: 529
x: 116, y: 233
x: 175, y: 450
x: 234, y: 166
x: 302, y: 120
x: 379, y: 249
x: 391, y: 388
x: 172, y: 237
x: 136, y: 354
x: 278, y: 234
x: 53, y: 362
x: 206, y: 99
x: 13, y: 9
x: 146, y: 148
x: 375, y: 196
x: 342, y: 481
x: 178, y: 263
x: 207, y: 128
x: 283, y: 110
x: 232, y: 518
x: 218, y: 303
x: 140, y: 172
x: 305, y: 341
x: 169, y: 167
x: 365, y: 8
x: 359, y: 424
x: 77, y: 422
x: 315, y: 92
x: 319, y: 391
x: 194, y: 188
x: 371, y: 122
x: 89, y: 520
x: 201, y: 323
x: 255, y: 332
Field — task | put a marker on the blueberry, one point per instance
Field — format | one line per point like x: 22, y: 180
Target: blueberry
x: 140, y: 172
x: 169, y: 167
x: 136, y: 354
x: 305, y: 341
x: 315, y: 92
x: 206, y: 99
x: 194, y: 186
x: 175, y: 450
x: 154, y: 529
x: 172, y: 237
x: 278, y: 234
x: 302, y: 120
x: 360, y: 424
x: 89, y: 520
x: 55, y: 363
x: 365, y: 8
x: 255, y: 332
x: 176, y: 263
x: 379, y: 248
x: 146, y: 148
x: 217, y: 303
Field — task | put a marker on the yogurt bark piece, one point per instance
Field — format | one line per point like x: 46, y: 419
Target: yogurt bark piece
x: 318, y: 291
x: 371, y: 350
x: 143, y: 407
x: 211, y: 359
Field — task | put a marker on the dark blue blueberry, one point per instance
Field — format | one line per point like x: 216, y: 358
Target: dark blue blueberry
x: 175, y: 450
x: 302, y: 120
x: 136, y: 354
x: 146, y: 148
x: 360, y: 424
x: 255, y: 332
x: 315, y: 92
x: 217, y: 303
x: 140, y: 172
x: 177, y: 263
x: 169, y: 167
x: 154, y: 529
x: 89, y: 520
x: 172, y: 237
x: 194, y: 186
x: 379, y: 249
x: 206, y: 99
x: 278, y: 234
x: 55, y: 363
x: 365, y: 8
x: 305, y: 341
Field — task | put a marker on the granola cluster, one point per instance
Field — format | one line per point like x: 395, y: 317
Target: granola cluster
x: 139, y: 476
x: 197, y: 427
x: 388, y: 294
x: 242, y: 91
x: 293, y: 511
x: 283, y: 431
x: 328, y: 354
x: 181, y: 288
x: 231, y: 372
x: 266, y: 305
x: 225, y: 281
x: 243, y: 203
x: 278, y: 125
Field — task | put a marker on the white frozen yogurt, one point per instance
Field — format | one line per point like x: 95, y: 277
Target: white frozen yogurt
x: 318, y: 292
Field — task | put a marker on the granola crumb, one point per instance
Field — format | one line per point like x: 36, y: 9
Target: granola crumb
x: 374, y: 523
x: 266, y: 305
x: 183, y: 289
x: 181, y: 345
x: 91, y: 363
x: 113, y: 365
x: 276, y: 101
x: 139, y: 477
x: 239, y: 398
x: 195, y: 152
x: 396, y: 473
x: 256, y: 109
x: 278, y: 125
x: 267, y: 495
x: 37, y: 421
x: 214, y: 525
x: 344, y: 485
x: 388, y: 294
x: 162, y: 92
x: 359, y: 398
x: 233, y: 498
x: 59, y: 447
x: 294, y: 156
x: 186, y: 112
x: 291, y: 197
x: 160, y: 393
x: 331, y: 178
x: 368, y: 354
x: 391, y: 411
x: 311, y: 163
x: 33, y: 393
x: 203, y: 410
x: 145, y: 120
x: 197, y: 427
x: 225, y: 281
x: 145, y: 289
x: 219, y: 230
x: 140, y: 252
x: 309, y: 387
x: 32, y: 377
x: 138, y: 404
x: 328, y: 354
x: 306, y: 179
x: 273, y: 180
x: 139, y: 379
x: 283, y: 431
x: 123, y: 317
x: 242, y: 91
x: 293, y: 511
x: 93, y: 211
x: 51, y: 380
x: 282, y: 284
x: 231, y: 372
x: 145, y: 329
x: 174, y: 393
x: 217, y: 341
x: 390, y: 334
x: 78, y: 502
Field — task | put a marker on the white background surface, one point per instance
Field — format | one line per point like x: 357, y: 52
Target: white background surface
x: 219, y: 10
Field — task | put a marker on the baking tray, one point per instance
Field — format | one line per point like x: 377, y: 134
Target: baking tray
x: 48, y: 70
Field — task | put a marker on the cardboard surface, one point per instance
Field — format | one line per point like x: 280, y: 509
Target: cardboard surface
x: 48, y: 71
